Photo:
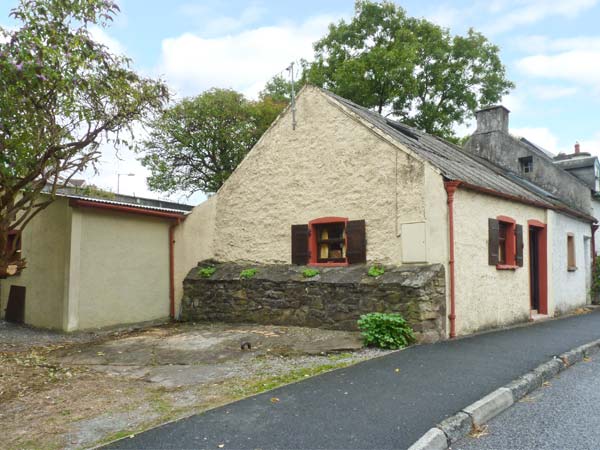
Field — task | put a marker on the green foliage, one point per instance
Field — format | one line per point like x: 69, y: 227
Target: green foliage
x: 279, y: 89
x: 376, y: 271
x: 309, y: 273
x: 94, y: 192
x: 248, y: 273
x: 595, y: 289
x: 408, y: 67
x: 207, y: 272
x: 385, y: 330
x: 61, y: 94
x: 197, y: 143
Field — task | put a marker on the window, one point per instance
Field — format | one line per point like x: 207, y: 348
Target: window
x: 526, y: 164
x: 505, y: 240
x: 14, y: 243
x: 571, y: 261
x: 329, y: 241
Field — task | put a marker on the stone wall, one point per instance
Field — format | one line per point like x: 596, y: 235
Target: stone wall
x: 334, y: 299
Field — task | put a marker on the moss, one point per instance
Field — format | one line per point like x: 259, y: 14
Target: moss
x: 248, y: 273
x: 207, y: 272
x: 309, y: 273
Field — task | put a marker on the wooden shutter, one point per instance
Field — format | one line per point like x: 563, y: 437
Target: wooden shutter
x: 300, y: 253
x: 519, y: 244
x: 493, y: 232
x: 357, y: 242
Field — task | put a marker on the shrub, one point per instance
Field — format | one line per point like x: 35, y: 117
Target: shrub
x: 375, y: 271
x: 309, y: 273
x: 248, y: 273
x: 207, y: 272
x: 388, y: 331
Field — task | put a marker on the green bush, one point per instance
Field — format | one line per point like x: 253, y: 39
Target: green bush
x: 375, y: 271
x: 207, y: 272
x: 309, y: 273
x: 595, y: 289
x: 248, y: 273
x: 388, y: 331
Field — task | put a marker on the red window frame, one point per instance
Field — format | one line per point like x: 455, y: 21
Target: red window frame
x: 314, y: 225
x: 507, y: 228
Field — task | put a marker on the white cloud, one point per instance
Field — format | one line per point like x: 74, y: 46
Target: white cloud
x: 526, y: 12
x: 101, y: 36
x: 226, y: 24
x: 546, y: 44
x: 554, y: 92
x: 576, y: 66
x: 242, y: 61
x: 539, y: 136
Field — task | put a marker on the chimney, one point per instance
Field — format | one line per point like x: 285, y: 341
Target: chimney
x: 577, y: 148
x: 492, y: 118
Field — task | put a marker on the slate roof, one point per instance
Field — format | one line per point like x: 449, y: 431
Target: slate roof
x: 456, y: 164
x: 576, y: 162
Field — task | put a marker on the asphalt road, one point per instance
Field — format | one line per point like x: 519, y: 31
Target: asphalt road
x: 564, y: 415
x: 371, y: 405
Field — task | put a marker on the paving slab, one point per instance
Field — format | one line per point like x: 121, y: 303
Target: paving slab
x: 372, y: 404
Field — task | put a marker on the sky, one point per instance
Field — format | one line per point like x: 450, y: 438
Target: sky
x: 551, y: 49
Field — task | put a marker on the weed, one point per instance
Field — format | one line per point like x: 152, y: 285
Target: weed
x: 207, y: 272
x: 376, y: 271
x: 309, y: 273
x: 385, y: 330
x: 246, y: 274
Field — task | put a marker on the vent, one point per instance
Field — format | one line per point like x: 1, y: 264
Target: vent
x: 402, y: 129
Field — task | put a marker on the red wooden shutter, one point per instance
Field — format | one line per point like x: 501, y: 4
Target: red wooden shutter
x: 493, y: 232
x: 519, y: 244
x: 357, y: 242
x: 300, y: 253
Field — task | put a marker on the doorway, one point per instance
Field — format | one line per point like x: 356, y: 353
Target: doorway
x: 538, y: 275
x: 15, y: 309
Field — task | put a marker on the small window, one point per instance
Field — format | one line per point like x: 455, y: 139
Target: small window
x: 526, y: 164
x: 13, y: 244
x: 331, y: 242
x: 505, y: 241
x: 571, y: 261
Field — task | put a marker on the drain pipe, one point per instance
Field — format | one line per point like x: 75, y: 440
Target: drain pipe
x: 451, y: 187
x: 172, y: 227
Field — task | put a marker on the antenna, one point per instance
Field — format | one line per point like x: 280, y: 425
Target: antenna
x: 291, y: 70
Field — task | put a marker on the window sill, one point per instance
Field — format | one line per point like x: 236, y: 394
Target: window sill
x: 571, y: 269
x: 328, y: 264
x: 506, y: 267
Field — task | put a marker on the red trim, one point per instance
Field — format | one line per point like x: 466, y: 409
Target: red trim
x: 524, y: 201
x: 78, y: 203
x: 506, y: 267
x: 542, y: 263
x: 594, y: 228
x: 451, y: 187
x: 506, y: 219
x: 312, y: 241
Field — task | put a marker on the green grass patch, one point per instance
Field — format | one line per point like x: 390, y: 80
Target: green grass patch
x: 246, y: 274
x: 207, y: 272
x: 376, y: 271
x: 309, y: 273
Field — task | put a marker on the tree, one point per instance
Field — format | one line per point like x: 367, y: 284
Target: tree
x: 409, y: 68
x: 61, y: 94
x: 197, y: 143
x: 279, y: 89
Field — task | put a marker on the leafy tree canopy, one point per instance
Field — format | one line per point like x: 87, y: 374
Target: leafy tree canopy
x: 61, y: 93
x: 197, y: 143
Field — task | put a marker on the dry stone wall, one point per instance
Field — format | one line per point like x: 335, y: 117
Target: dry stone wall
x: 334, y: 299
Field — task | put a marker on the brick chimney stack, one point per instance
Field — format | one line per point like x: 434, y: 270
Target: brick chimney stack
x: 577, y: 148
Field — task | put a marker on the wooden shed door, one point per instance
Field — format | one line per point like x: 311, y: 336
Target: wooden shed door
x: 15, y: 309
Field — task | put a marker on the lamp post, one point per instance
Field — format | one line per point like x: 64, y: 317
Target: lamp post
x: 119, y: 175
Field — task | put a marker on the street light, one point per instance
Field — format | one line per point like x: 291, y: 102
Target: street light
x: 119, y: 175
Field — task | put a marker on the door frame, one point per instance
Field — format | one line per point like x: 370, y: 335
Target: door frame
x: 542, y: 256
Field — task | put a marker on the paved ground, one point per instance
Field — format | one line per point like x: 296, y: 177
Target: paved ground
x: 387, y: 402
x: 564, y: 415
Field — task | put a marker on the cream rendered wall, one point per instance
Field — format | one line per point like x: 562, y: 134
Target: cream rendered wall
x: 487, y: 297
x: 193, y: 243
x: 331, y: 165
x: 45, y: 246
x: 568, y: 288
x: 123, y: 271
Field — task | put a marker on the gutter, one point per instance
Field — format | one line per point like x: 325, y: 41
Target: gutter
x: 451, y: 187
x: 177, y: 218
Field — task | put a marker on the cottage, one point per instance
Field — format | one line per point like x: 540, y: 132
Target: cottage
x: 346, y: 187
x: 93, y: 263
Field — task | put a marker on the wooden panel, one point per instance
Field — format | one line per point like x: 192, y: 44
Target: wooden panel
x: 493, y: 240
x: 357, y: 242
x: 300, y: 253
x: 15, y: 309
x: 519, y: 245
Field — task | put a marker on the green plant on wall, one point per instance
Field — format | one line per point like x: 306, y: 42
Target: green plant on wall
x: 595, y: 289
x: 207, y: 272
x: 309, y: 273
x: 248, y: 273
x: 376, y: 271
x: 385, y: 330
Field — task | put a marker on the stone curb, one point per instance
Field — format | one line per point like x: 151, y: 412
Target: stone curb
x: 458, y: 426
